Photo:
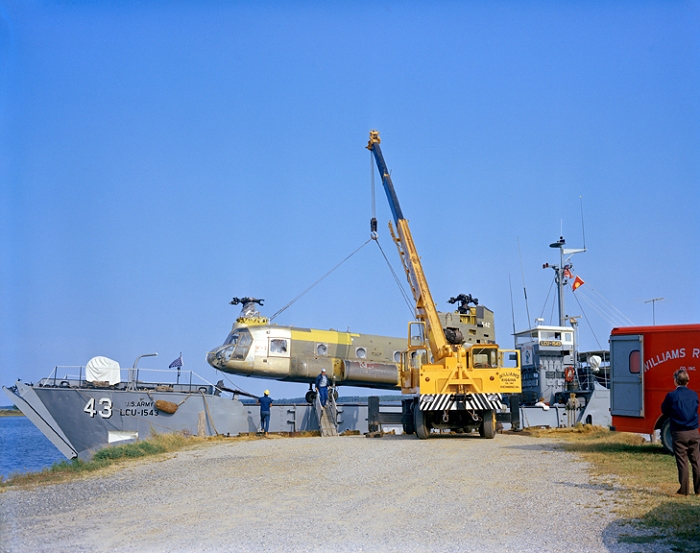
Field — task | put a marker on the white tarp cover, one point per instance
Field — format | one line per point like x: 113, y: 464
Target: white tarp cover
x: 101, y: 369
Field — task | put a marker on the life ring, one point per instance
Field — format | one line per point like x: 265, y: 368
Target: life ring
x: 569, y: 374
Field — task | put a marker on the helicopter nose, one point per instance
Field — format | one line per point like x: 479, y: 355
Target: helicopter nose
x: 218, y: 357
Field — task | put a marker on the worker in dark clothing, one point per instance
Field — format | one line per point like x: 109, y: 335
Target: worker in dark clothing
x: 681, y: 407
x: 265, y: 403
x: 322, y: 383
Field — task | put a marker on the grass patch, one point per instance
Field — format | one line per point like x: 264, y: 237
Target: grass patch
x: 649, y: 480
x: 70, y: 469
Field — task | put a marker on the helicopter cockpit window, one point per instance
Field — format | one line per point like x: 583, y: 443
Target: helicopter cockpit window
x: 278, y: 346
x: 361, y: 353
x: 321, y: 349
x: 245, y: 340
x: 239, y: 343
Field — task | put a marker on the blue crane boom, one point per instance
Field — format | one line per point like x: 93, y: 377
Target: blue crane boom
x: 373, y: 146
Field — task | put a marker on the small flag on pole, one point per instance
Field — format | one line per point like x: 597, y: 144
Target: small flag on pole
x: 177, y: 363
x: 578, y: 282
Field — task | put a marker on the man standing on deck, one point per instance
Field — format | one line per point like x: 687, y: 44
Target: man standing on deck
x: 681, y: 407
x: 265, y: 403
x: 322, y: 387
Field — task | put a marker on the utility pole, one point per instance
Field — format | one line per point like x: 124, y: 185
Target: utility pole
x: 653, y: 301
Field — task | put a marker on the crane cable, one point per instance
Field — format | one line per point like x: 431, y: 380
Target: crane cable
x: 373, y: 236
x: 320, y: 279
x: 406, y: 299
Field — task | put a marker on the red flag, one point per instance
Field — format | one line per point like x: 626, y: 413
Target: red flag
x: 577, y: 283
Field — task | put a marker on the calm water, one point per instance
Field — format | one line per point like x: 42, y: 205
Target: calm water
x: 23, y: 448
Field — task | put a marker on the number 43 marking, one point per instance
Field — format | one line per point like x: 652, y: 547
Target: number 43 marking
x: 106, y: 411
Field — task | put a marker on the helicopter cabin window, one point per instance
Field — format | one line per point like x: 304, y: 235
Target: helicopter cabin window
x: 484, y: 358
x: 278, y: 347
x: 321, y: 349
x: 361, y: 353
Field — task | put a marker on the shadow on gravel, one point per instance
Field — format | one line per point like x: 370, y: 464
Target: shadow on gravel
x: 433, y: 437
x: 604, y: 486
x: 672, y: 526
x: 540, y: 445
x: 537, y: 446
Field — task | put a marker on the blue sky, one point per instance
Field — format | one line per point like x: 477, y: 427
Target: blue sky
x: 159, y: 158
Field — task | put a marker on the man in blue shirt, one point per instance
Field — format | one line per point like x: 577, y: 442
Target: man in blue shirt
x: 322, y: 387
x: 265, y: 403
x: 681, y: 407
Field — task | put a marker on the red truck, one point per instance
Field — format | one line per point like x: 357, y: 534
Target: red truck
x: 642, y: 362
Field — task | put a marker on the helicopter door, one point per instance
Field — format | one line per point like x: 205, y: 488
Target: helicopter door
x: 276, y: 364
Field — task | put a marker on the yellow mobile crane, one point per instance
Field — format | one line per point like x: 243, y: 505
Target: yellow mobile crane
x: 452, y: 386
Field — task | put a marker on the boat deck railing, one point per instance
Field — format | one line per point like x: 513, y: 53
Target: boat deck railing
x: 65, y: 376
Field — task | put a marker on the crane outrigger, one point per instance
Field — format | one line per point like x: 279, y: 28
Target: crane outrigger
x: 451, y: 386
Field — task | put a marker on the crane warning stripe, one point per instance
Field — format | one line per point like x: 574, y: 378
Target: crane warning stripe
x: 449, y: 402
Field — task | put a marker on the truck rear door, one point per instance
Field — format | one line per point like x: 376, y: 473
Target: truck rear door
x: 627, y: 375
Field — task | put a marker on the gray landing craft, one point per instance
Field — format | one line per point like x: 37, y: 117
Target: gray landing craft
x: 81, y: 410
x: 259, y: 349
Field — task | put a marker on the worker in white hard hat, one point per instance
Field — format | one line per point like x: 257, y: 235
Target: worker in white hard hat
x: 265, y: 403
x: 322, y: 383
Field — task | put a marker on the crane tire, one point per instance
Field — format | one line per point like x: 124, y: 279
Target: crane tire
x: 420, y: 423
x: 487, y: 429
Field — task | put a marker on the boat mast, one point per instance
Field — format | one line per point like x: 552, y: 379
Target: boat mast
x: 560, y: 276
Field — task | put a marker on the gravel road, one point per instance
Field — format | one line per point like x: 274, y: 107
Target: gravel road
x: 347, y: 494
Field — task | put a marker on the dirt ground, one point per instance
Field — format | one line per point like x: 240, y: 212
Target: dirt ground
x: 396, y: 493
